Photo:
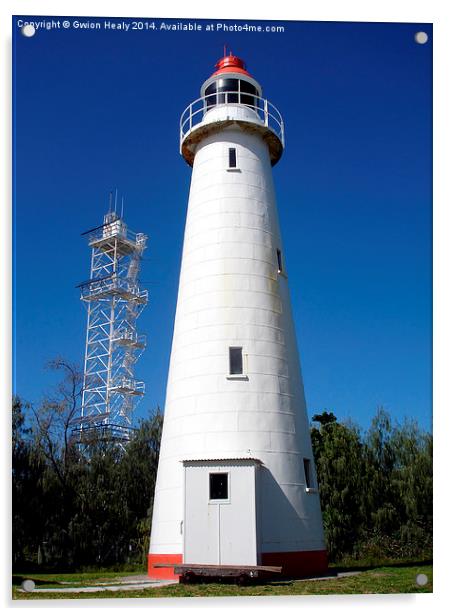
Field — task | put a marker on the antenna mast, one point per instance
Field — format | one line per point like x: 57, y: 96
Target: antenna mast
x: 114, y: 301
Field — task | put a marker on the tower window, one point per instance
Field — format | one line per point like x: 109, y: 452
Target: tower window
x: 236, y: 360
x: 307, y: 473
x: 279, y: 260
x: 219, y: 486
x: 232, y: 158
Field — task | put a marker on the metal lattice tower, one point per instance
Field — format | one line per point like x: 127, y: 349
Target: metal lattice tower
x: 114, y: 301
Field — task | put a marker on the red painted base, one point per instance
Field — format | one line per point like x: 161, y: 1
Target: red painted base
x: 298, y: 564
x: 165, y: 573
x: 294, y: 564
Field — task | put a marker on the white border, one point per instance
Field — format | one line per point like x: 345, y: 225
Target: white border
x: 436, y: 11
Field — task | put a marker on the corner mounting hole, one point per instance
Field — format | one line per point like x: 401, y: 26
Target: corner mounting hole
x: 28, y: 30
x: 421, y: 579
x: 421, y: 38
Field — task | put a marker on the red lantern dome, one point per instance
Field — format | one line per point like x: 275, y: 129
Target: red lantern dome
x: 230, y: 64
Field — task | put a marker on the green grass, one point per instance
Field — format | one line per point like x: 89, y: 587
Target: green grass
x: 379, y: 580
x: 372, y: 561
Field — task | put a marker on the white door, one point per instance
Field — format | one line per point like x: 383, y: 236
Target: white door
x: 220, y: 517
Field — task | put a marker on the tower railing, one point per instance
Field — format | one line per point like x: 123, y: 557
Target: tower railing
x: 106, y: 286
x: 266, y: 113
x: 128, y: 386
x: 115, y: 230
x: 129, y: 337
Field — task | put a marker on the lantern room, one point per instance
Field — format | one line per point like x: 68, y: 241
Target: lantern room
x: 231, y: 83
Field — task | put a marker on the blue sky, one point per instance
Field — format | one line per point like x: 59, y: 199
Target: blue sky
x: 95, y: 110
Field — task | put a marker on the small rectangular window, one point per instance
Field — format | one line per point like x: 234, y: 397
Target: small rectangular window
x: 307, y: 473
x: 279, y: 260
x: 236, y: 360
x: 232, y: 158
x: 219, y: 488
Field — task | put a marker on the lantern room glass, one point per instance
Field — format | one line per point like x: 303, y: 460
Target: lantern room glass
x: 230, y: 90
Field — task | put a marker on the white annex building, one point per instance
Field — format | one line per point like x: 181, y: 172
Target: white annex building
x: 236, y: 481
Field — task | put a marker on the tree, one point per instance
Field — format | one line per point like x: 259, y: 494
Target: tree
x: 111, y: 522
x: 89, y: 507
x: 141, y: 463
x: 339, y: 464
x: 412, y: 484
x: 53, y: 422
x: 375, y: 490
x: 380, y: 458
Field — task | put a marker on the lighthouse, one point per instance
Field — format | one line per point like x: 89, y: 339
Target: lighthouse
x: 236, y: 481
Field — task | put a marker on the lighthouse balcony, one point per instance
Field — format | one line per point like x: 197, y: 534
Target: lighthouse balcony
x: 109, y: 286
x: 208, y: 114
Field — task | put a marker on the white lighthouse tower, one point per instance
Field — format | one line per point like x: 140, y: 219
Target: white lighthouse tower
x: 236, y: 481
